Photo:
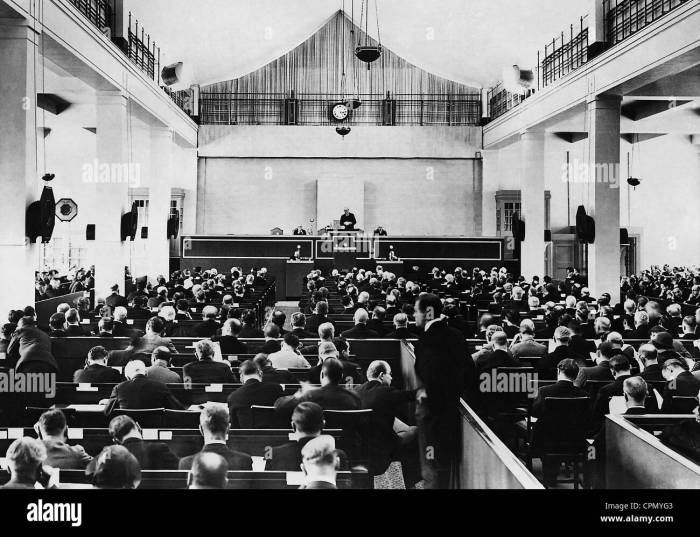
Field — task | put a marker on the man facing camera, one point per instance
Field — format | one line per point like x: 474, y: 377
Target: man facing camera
x: 348, y: 220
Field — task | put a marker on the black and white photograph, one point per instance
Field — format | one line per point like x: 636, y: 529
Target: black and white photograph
x: 338, y: 255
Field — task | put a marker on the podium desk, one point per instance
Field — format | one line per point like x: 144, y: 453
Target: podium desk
x: 296, y: 272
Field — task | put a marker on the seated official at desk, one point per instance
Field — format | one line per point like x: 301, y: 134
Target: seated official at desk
x: 348, y: 220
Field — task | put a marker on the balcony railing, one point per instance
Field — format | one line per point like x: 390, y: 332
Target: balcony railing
x: 502, y: 101
x: 312, y: 109
x: 137, y: 45
x: 564, y: 54
x: 98, y: 12
x: 624, y: 18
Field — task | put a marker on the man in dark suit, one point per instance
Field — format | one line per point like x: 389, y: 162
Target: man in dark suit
x: 209, y: 326
x: 29, y: 350
x: 96, y: 371
x: 376, y: 323
x: 600, y: 371
x: 139, y: 392
x: 57, y: 325
x: 209, y: 472
x: 360, y: 331
x: 392, y: 438
x: 652, y: 370
x: 621, y: 370
x: 250, y: 330
x: 524, y: 344
x: 444, y: 369
x: 214, y: 425
x: 299, y: 327
x: 115, y: 299
x: 326, y: 350
x: 499, y: 357
x: 320, y: 463
x: 253, y: 392
x: 348, y: 220
x: 319, y: 317
x: 52, y: 429
x: 151, y: 455
x: 681, y: 383
x: 228, y: 340
x: 401, y: 330
x: 456, y: 320
x: 567, y: 371
x: 73, y: 328
x: 547, y: 366
x: 331, y: 396
x: 307, y: 423
x: 205, y: 370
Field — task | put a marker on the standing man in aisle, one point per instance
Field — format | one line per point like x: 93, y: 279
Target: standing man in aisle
x: 442, y: 368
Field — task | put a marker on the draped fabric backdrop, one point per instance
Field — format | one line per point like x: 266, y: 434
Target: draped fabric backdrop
x: 313, y: 70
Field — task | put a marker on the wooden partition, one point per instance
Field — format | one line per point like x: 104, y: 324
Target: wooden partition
x: 636, y: 459
x: 46, y: 308
x: 487, y: 463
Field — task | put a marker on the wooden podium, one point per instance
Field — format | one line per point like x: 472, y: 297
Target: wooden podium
x: 296, y: 272
x: 346, y: 249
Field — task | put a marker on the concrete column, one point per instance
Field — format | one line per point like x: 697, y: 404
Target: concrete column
x: 604, y: 172
x: 114, y: 173
x: 161, y: 178
x: 19, y: 175
x: 532, y: 189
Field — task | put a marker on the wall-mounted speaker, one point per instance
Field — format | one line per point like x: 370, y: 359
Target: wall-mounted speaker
x: 90, y: 232
x: 547, y: 235
x: 624, y: 237
x: 144, y: 232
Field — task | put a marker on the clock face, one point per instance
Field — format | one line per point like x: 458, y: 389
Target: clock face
x: 340, y: 112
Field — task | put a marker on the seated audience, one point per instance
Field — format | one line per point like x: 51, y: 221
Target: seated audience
x: 116, y: 468
x: 270, y: 374
x: 96, y: 371
x: 361, y: 330
x: 307, y: 424
x: 209, y: 472
x: 52, y: 429
x: 214, y: 425
x: 140, y: 392
x: 228, y: 340
x: 151, y: 455
x: 320, y: 463
x: 25, y: 461
x: 206, y: 370
x: 160, y: 367
x: 331, y: 396
x: 288, y: 357
x: 254, y: 392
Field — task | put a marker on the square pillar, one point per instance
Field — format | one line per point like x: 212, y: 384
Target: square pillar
x: 604, y: 172
x: 19, y: 171
x: 532, y: 254
x: 161, y: 178
x: 113, y: 174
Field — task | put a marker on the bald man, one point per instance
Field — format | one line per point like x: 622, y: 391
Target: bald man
x: 360, y: 330
x: 208, y: 472
x: 320, y: 463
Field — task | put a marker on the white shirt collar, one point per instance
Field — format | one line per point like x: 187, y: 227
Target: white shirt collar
x: 431, y: 323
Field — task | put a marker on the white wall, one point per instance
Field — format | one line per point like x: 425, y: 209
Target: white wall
x: 662, y: 208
